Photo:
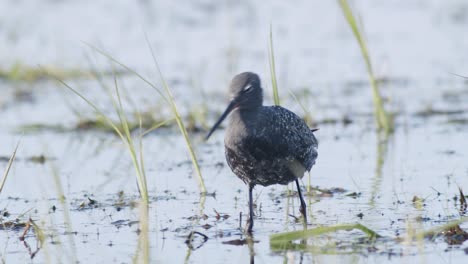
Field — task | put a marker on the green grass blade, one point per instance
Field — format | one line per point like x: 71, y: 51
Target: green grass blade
x: 271, y: 57
x: 122, y: 117
x: 95, y: 108
x: 168, y: 99
x: 105, y: 54
x: 287, y: 237
x: 141, y: 179
x: 180, y: 122
x: 41, y: 237
x: 307, y: 115
x: 142, y: 160
x: 383, y: 119
x: 9, y: 164
x: 123, y: 136
x: 156, y: 126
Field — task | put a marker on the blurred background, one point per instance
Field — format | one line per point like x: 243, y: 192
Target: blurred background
x: 417, y: 49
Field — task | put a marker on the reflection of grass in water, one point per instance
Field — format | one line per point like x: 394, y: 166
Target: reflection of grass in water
x: 66, y: 214
x: 382, y: 144
x: 142, y: 254
x: 196, y: 222
x: 412, y: 225
x: 8, y: 167
x: 384, y: 120
x: 250, y: 244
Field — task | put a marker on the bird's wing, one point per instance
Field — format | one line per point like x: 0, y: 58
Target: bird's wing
x: 281, y: 134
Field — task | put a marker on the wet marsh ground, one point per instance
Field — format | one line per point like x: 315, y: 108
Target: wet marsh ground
x: 72, y: 195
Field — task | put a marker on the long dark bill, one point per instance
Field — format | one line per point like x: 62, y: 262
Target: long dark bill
x: 228, y: 110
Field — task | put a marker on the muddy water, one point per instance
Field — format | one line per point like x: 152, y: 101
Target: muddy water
x: 200, y: 45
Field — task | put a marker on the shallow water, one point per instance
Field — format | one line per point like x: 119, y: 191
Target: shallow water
x: 200, y: 45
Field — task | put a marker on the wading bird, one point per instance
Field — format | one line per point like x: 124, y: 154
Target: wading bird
x: 265, y: 145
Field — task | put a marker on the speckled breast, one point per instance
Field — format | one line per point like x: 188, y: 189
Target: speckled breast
x: 263, y: 171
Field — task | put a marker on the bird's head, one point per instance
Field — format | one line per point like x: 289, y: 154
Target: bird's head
x: 245, y: 93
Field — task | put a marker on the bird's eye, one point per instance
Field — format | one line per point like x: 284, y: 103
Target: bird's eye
x: 247, y: 88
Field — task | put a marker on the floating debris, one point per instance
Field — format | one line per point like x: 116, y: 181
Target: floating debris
x: 206, y: 226
x: 438, y: 112
x: 353, y: 195
x: 121, y: 223
x: 197, y: 217
x: 418, y: 202
x: 12, y: 225
x: 88, y: 204
x: 219, y: 216
x: 239, y: 242
x: 41, y: 159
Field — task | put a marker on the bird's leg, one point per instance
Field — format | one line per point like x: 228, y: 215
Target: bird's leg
x: 249, y: 229
x: 303, y: 204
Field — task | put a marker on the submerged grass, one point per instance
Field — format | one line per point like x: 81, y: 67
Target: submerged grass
x: 9, y: 164
x: 383, y: 119
x: 382, y: 142
x: 434, y: 232
x: 284, y: 241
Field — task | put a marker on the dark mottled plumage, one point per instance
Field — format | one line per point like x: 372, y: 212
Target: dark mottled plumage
x: 265, y: 145
x: 274, y: 147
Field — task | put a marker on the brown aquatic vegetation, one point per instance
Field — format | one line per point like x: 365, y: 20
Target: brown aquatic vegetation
x: 21, y: 72
x: 455, y: 235
x: 463, y: 204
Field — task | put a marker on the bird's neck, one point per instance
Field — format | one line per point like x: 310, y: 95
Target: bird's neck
x: 242, y: 123
x: 243, y: 120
